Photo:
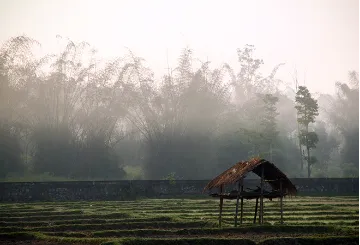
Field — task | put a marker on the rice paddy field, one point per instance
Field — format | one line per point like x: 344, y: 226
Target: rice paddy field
x: 307, y: 220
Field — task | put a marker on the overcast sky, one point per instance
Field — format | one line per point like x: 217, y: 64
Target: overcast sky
x: 319, y: 37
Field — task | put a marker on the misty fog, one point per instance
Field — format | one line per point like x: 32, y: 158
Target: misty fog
x: 74, y: 115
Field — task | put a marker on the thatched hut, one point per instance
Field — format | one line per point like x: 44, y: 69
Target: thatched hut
x: 267, y: 171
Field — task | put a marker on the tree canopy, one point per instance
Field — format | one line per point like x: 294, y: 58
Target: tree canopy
x: 72, y: 115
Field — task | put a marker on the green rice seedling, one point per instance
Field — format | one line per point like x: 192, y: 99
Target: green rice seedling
x: 168, y: 220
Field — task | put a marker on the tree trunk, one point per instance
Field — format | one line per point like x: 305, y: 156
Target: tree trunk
x: 301, y: 156
x: 308, y: 150
x: 309, y: 161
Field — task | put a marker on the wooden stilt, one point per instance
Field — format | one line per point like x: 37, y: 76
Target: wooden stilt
x: 261, y: 215
x: 237, y: 203
x: 256, y: 208
x: 260, y: 212
x: 242, y: 204
x: 221, y: 204
x: 281, y: 203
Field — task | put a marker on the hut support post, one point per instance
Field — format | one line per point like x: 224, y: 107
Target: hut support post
x: 261, y: 215
x: 281, y: 203
x: 237, y: 203
x: 256, y: 207
x: 242, y: 203
x: 240, y: 188
x: 221, y: 204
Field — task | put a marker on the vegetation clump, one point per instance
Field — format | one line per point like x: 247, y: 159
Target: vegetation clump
x: 72, y: 116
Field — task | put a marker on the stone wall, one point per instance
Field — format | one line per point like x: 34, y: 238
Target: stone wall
x: 128, y: 190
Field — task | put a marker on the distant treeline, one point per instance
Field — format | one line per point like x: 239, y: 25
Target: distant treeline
x: 71, y: 115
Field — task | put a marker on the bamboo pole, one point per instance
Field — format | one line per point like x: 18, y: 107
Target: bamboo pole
x: 237, y: 202
x: 221, y: 204
x: 256, y: 207
x: 242, y: 204
x: 261, y: 215
x: 281, y: 202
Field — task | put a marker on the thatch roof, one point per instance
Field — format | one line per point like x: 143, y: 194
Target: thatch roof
x: 271, y: 174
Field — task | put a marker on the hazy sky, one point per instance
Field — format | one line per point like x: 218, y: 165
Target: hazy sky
x: 319, y: 37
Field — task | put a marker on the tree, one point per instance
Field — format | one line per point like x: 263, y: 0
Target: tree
x: 10, y: 153
x: 178, y: 138
x: 14, y: 69
x: 269, y: 121
x: 260, y: 126
x: 307, y: 110
x: 324, y: 151
x: 72, y: 115
x: 344, y: 115
x: 61, y: 113
x: 249, y: 81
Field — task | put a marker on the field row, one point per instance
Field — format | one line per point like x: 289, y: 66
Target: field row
x: 168, y: 220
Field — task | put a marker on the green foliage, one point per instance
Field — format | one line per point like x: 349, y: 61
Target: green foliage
x: 350, y: 170
x: 73, y: 116
x: 59, y: 153
x: 10, y: 153
x: 54, y: 151
x: 307, y: 109
x: 344, y: 115
x: 325, y: 151
x: 133, y: 172
x: 269, y: 117
x: 268, y: 122
x: 31, y: 177
x: 308, y: 139
x: 171, y: 178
